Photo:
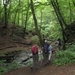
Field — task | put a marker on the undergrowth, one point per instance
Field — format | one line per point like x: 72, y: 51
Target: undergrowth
x: 4, y: 68
x: 66, y: 57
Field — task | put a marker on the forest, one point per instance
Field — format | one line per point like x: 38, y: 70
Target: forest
x: 25, y: 22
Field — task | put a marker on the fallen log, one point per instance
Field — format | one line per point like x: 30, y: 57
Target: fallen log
x: 27, y: 59
x: 7, y: 47
x: 25, y: 43
x: 6, y: 57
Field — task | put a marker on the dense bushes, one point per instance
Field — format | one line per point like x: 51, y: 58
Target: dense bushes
x: 66, y: 57
x: 7, y: 67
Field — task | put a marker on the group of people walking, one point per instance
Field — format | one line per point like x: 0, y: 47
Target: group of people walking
x: 46, y: 52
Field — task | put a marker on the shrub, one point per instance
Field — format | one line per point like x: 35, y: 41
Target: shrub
x: 5, y: 68
x: 35, y: 39
x: 2, y: 68
x: 65, y: 57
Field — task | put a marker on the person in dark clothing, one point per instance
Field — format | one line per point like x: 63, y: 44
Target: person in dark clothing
x: 45, y: 52
x: 59, y: 42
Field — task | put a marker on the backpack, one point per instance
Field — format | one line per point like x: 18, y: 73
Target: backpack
x: 34, y: 50
x: 59, y: 43
x: 50, y: 48
x: 45, y: 48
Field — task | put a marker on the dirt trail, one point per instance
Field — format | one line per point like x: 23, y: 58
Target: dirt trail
x: 46, y: 70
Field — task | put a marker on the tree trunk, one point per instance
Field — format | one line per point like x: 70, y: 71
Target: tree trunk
x: 35, y: 21
x: 1, y: 10
x: 60, y: 15
x: 26, y: 19
x: 41, y: 21
x: 60, y: 21
x: 73, y: 2
x: 18, y: 13
x: 6, y: 19
x: 18, y: 18
x: 22, y: 19
x: 9, y: 11
x: 14, y: 23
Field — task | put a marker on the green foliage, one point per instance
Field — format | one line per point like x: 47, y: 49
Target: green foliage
x: 67, y: 9
x: 71, y: 46
x: 5, y: 68
x: 65, y: 57
x: 35, y: 39
x: 12, y: 66
x: 44, y: 12
x: 2, y: 69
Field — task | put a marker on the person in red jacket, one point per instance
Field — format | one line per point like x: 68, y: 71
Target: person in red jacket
x: 34, y: 50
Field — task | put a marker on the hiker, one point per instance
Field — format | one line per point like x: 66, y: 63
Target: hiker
x: 34, y: 50
x: 45, y: 52
x: 50, y: 52
x: 59, y: 42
